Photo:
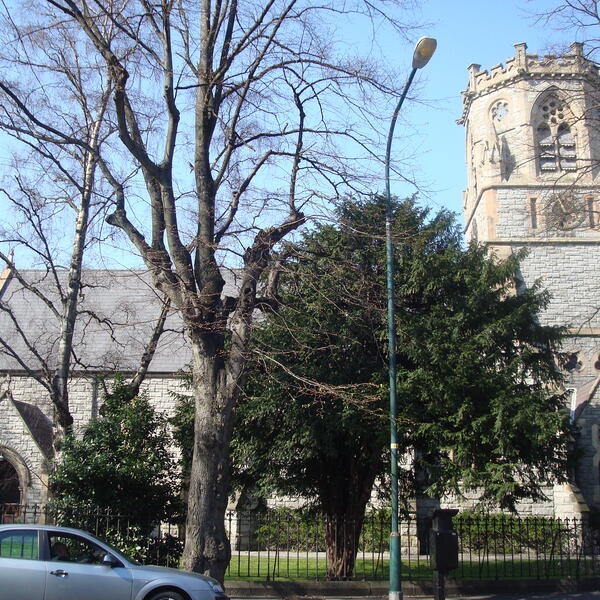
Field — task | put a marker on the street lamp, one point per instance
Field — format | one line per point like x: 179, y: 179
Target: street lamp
x: 424, y: 50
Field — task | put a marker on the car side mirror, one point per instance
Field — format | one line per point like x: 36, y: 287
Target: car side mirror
x: 109, y: 560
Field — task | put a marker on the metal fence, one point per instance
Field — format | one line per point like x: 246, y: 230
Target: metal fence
x: 291, y: 544
x: 160, y: 546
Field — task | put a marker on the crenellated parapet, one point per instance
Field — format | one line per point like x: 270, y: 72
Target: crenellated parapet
x: 573, y: 65
x: 532, y: 131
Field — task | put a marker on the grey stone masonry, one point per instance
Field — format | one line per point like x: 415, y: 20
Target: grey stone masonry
x: 533, y: 173
x: 86, y: 391
x: 19, y: 446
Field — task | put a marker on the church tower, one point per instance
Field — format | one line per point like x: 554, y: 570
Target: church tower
x: 533, y: 159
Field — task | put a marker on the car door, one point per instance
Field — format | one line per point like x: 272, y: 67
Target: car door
x: 22, y: 573
x: 77, y: 572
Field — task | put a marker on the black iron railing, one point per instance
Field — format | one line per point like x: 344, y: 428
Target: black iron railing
x: 161, y: 544
x: 292, y: 544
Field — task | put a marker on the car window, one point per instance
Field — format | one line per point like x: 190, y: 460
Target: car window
x: 119, y: 553
x: 72, y: 548
x: 19, y: 544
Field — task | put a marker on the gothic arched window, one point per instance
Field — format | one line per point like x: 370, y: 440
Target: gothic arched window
x: 9, y: 483
x: 547, y: 150
x: 556, y: 149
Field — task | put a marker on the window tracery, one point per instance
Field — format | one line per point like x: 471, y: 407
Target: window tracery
x: 499, y: 110
x: 556, y: 145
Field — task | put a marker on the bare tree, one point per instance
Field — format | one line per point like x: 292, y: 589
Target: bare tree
x: 57, y: 116
x: 570, y: 15
x: 240, y: 117
x: 56, y: 133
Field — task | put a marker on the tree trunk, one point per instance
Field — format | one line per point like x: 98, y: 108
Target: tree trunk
x: 342, y: 533
x: 207, y: 549
x: 344, y: 502
x: 60, y: 378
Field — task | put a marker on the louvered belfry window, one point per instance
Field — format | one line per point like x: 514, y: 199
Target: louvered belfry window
x: 555, y: 141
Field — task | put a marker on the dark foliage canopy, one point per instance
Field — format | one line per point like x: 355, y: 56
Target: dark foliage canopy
x: 479, y: 397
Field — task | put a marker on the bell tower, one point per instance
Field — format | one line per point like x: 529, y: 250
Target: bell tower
x: 533, y: 162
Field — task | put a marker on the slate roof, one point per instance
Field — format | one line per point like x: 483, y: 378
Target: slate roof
x: 119, y: 311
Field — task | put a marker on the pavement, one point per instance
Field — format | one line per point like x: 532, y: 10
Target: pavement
x: 594, y: 595
x: 586, y: 595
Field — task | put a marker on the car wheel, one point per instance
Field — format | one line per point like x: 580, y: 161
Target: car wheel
x: 166, y: 595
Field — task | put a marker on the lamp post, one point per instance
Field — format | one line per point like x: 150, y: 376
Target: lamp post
x: 424, y: 50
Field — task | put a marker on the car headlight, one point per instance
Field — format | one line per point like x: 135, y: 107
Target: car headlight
x: 215, y: 586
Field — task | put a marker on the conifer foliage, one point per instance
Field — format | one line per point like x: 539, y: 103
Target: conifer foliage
x: 478, y: 381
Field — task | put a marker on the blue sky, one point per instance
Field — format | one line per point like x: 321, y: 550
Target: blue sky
x: 468, y: 31
x: 428, y: 140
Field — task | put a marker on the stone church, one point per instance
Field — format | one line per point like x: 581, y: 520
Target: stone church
x: 533, y: 158
x: 118, y: 312
x: 533, y: 181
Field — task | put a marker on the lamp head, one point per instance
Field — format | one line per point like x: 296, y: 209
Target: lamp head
x: 424, y: 49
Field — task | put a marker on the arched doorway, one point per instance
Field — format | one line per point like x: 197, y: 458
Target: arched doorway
x: 10, y: 492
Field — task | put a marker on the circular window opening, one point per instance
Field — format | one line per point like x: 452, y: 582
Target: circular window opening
x: 499, y: 110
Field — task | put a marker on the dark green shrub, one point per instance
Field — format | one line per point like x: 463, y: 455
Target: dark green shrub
x: 303, y: 529
x: 165, y: 551
x: 509, y: 534
x: 375, y: 535
x: 284, y: 528
x: 121, y: 464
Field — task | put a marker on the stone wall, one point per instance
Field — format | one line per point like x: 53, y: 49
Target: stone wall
x: 589, y: 446
x: 525, y: 508
x: 19, y: 447
x: 85, y: 394
x: 85, y: 398
x: 569, y: 271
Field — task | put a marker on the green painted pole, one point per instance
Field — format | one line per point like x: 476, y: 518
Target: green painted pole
x: 395, y: 592
x: 424, y: 49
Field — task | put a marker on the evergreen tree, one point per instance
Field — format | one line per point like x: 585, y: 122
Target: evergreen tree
x: 122, y: 462
x: 477, y: 377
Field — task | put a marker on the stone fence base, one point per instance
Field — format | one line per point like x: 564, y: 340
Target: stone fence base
x: 310, y: 590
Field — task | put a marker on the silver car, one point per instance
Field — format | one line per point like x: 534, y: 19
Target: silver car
x: 40, y: 562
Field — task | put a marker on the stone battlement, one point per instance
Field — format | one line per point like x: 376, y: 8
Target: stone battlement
x: 529, y: 66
